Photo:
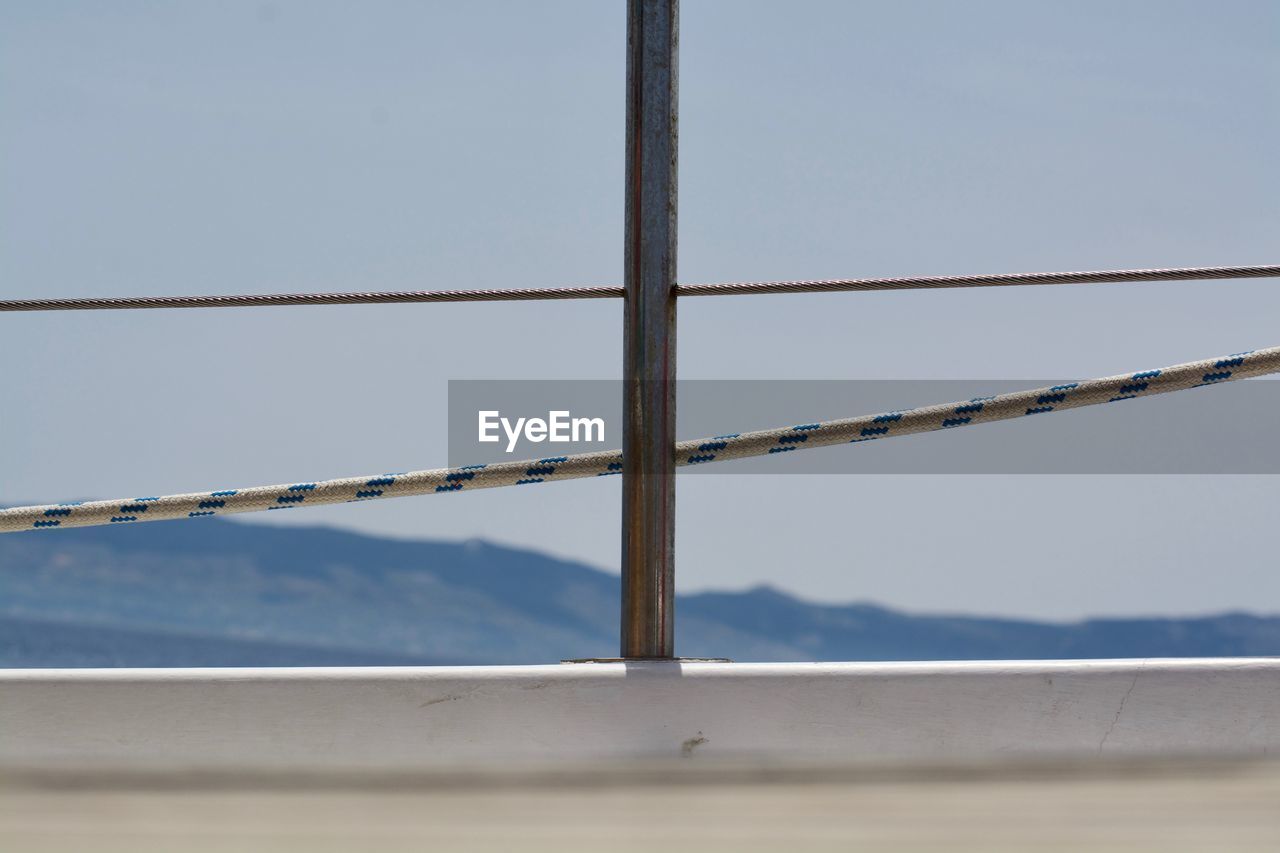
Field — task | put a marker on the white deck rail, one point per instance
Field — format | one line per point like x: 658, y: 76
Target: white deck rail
x: 448, y: 717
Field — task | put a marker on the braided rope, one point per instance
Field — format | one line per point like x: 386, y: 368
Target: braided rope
x: 386, y: 297
x: 1214, y: 371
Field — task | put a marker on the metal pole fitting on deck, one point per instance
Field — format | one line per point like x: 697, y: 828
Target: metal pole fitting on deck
x: 649, y: 357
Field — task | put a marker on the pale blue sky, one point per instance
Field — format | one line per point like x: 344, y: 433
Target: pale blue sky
x: 168, y: 148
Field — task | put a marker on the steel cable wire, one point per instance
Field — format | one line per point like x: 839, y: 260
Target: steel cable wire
x: 390, y: 297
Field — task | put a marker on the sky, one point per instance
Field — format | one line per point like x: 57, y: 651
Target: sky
x: 242, y: 147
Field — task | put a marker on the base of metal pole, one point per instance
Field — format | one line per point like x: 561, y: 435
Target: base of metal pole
x: 647, y: 660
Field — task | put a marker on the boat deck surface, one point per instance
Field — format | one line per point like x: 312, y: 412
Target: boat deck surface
x: 679, y: 806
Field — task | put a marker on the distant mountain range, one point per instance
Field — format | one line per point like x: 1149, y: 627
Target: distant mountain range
x: 222, y: 593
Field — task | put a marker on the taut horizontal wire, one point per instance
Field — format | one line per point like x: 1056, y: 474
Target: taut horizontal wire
x: 387, y: 297
x: 272, y: 300
x: 1071, y: 395
x: 999, y: 280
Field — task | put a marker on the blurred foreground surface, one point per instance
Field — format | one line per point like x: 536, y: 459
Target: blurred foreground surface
x: 681, y: 806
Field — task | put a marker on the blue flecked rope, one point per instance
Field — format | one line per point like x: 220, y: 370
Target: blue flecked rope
x: 978, y: 410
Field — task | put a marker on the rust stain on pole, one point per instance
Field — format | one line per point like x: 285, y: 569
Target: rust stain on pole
x: 649, y: 356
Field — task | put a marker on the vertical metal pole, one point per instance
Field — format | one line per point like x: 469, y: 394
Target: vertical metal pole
x: 649, y: 357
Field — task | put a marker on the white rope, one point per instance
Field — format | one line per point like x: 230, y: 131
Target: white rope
x: 979, y: 410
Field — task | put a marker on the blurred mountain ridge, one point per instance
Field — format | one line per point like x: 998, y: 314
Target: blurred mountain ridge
x: 224, y: 593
